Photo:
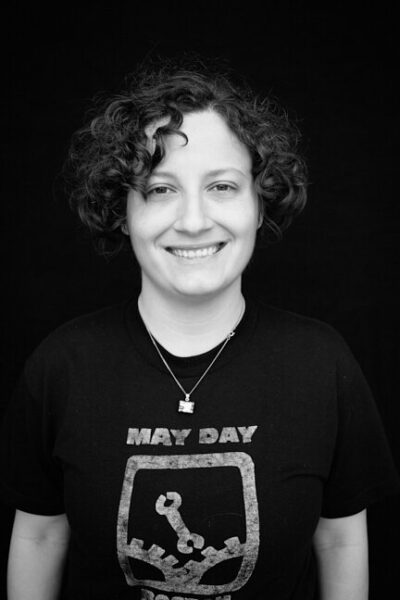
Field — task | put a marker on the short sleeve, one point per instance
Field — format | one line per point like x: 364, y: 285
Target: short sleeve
x: 362, y: 469
x: 30, y: 478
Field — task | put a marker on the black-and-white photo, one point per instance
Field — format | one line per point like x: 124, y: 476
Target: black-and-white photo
x: 200, y: 322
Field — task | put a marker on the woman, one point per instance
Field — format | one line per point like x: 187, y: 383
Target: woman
x: 191, y: 442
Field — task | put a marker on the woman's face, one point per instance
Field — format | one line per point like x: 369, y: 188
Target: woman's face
x: 194, y: 233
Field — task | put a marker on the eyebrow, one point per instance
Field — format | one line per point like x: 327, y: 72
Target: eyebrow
x: 213, y: 173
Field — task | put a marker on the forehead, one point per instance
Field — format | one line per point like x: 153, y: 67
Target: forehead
x: 211, y: 144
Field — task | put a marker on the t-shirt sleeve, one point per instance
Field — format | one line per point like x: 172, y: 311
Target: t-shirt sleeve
x: 30, y: 477
x: 362, y: 470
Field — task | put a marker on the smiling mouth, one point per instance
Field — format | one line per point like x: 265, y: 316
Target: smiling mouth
x: 196, y: 252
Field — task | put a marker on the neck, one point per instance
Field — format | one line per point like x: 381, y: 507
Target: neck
x: 188, y: 327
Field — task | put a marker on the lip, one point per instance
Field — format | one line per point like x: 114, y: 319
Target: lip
x: 195, y: 247
x: 196, y: 251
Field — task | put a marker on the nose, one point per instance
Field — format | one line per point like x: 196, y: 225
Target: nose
x: 193, y: 214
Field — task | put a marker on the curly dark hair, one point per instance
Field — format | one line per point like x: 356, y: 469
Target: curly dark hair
x: 110, y: 155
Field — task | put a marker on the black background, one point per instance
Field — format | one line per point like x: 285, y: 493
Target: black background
x: 335, y: 70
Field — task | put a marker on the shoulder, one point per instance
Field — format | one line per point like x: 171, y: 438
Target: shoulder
x: 295, y: 326
x: 311, y: 350
x: 299, y: 334
x: 92, y: 327
x: 84, y: 336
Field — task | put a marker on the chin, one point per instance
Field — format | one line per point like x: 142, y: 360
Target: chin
x: 200, y: 290
x: 196, y: 292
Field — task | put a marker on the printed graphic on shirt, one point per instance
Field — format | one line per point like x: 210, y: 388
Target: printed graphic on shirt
x: 189, y: 523
x: 177, y: 437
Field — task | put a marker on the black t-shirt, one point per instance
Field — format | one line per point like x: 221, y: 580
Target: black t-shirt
x: 222, y: 503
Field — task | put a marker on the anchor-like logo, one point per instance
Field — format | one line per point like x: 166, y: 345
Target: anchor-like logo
x: 187, y: 577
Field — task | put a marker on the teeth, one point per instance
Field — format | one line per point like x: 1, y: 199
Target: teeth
x: 200, y: 253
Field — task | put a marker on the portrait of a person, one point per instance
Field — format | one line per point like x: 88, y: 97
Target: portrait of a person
x: 192, y: 441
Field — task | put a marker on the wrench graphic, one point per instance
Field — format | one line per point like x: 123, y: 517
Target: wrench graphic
x: 186, y: 539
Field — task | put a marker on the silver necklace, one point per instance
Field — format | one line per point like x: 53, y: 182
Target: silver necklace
x: 187, y: 405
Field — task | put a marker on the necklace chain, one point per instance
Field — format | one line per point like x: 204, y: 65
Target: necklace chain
x: 187, y: 405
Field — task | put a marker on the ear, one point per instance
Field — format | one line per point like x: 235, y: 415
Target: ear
x: 261, y: 209
x: 124, y: 228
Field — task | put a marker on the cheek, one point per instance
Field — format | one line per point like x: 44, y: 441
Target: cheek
x: 139, y: 244
x: 246, y: 226
x: 137, y: 239
x: 244, y: 216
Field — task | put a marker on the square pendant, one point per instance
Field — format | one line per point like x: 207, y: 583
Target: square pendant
x: 186, y: 406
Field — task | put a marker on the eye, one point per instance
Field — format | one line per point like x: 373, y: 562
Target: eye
x: 159, y: 190
x: 223, y: 187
